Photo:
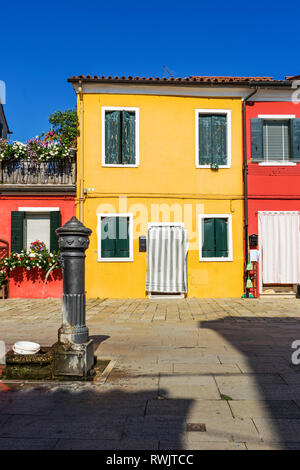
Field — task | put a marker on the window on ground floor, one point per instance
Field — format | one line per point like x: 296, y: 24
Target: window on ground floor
x: 29, y: 226
x: 115, y: 237
x: 215, y: 237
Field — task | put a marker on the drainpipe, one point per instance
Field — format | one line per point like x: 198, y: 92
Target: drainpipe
x: 81, y: 179
x: 245, y: 177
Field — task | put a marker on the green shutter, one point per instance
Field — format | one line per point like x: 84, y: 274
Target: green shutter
x: 17, y: 231
x: 112, y: 137
x: 205, y: 141
x: 55, y: 222
x: 128, y: 137
x: 122, y: 240
x: 257, y: 139
x: 221, y: 234
x: 208, y: 243
x: 219, y: 138
x: 1, y: 129
x: 295, y: 139
x: 108, y: 237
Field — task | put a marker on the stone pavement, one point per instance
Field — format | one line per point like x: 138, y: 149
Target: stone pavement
x: 181, y: 364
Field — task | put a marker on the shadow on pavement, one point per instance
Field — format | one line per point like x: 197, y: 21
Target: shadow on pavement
x: 86, y: 417
x: 268, y: 390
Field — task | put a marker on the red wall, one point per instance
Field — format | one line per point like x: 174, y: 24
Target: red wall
x: 66, y: 206
x: 31, y: 284
x: 270, y: 188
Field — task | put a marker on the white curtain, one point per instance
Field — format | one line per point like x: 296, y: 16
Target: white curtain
x: 279, y: 234
x: 167, y: 259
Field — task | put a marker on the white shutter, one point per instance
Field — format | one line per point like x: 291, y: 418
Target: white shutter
x: 276, y: 140
x: 37, y: 228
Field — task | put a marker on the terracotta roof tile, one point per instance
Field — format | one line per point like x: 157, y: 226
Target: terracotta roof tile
x: 206, y: 80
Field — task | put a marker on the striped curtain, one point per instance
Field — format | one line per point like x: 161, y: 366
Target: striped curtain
x: 279, y: 234
x: 167, y: 259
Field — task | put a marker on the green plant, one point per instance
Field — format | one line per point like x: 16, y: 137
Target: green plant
x: 214, y: 166
x: 43, y: 260
x: 65, y: 127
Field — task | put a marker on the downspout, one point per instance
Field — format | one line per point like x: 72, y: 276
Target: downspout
x: 81, y: 166
x: 245, y: 178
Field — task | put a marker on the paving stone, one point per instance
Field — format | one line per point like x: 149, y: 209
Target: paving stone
x: 189, y: 409
x: 212, y: 368
x: 98, y: 444
x: 155, y: 427
x: 187, y: 445
x: 264, y: 409
x: 278, y: 430
x: 43, y: 427
x: 27, y: 444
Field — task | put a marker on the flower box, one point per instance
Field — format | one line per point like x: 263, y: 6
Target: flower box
x: 30, y: 284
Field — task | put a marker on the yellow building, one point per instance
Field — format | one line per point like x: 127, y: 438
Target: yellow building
x: 161, y: 159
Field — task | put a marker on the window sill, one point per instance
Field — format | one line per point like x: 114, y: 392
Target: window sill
x: 114, y: 260
x: 215, y: 259
x: 277, y: 163
x: 120, y: 166
x: 214, y: 169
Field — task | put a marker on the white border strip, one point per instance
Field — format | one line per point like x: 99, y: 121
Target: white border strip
x: 38, y: 209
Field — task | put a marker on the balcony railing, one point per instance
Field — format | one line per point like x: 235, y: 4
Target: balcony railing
x: 51, y: 173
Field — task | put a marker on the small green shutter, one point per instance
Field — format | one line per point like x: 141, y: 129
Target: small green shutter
x: 219, y: 138
x: 108, y: 237
x: 17, y: 231
x: 208, y: 243
x: 112, y: 137
x: 55, y: 222
x: 1, y: 128
x: 128, y: 138
x: 221, y: 238
x: 122, y: 240
x: 257, y: 139
x: 205, y: 142
x: 295, y: 139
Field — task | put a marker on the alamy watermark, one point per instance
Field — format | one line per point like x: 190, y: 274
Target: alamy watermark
x: 296, y: 93
x: 296, y: 354
x: 2, y: 92
x: 2, y: 353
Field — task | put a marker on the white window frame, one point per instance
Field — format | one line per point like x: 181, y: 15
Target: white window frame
x: 227, y: 112
x: 229, y: 236
x: 38, y: 209
x: 274, y: 117
x: 122, y: 260
x: 137, y: 141
x: 42, y: 210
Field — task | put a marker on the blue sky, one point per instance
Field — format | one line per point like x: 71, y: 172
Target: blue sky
x: 44, y: 43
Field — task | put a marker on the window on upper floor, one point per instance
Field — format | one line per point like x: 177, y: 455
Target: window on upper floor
x: 275, y: 139
x: 215, y: 237
x: 213, y: 138
x: 120, y: 137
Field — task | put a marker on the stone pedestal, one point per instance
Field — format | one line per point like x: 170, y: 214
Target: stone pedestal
x: 73, y: 359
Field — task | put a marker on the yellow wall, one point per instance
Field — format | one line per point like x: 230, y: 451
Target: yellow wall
x: 167, y: 174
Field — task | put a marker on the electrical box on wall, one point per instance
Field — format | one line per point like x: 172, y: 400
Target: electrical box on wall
x: 253, y: 240
x: 142, y: 243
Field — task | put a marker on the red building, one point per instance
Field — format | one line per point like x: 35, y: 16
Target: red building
x: 273, y: 155
x: 33, y: 203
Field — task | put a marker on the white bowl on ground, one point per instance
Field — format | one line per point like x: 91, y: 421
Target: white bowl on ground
x: 26, y: 347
